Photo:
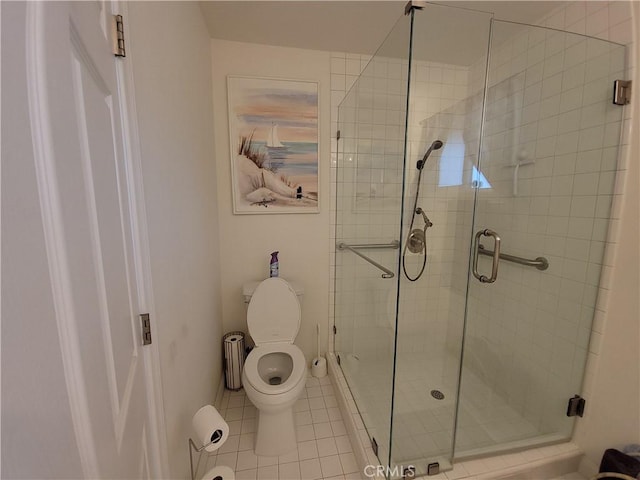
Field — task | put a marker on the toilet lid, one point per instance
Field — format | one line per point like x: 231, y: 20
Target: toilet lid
x: 274, y: 312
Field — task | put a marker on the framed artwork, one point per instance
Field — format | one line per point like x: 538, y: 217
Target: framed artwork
x: 273, y: 128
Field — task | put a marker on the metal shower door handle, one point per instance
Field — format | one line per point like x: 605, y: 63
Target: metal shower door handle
x: 496, y: 256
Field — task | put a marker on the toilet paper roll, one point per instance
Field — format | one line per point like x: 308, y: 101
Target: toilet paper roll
x: 319, y: 367
x: 210, y: 427
x: 219, y: 473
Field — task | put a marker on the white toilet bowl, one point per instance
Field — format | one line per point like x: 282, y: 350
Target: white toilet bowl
x: 275, y: 371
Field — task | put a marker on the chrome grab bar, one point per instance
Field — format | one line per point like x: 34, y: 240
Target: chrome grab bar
x: 393, y: 244
x: 352, y: 248
x: 540, y: 263
x: 496, y: 256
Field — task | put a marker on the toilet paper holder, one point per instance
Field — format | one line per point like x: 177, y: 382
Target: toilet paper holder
x: 215, y: 438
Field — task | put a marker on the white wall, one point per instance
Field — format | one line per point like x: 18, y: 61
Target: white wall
x: 169, y: 47
x: 247, y: 240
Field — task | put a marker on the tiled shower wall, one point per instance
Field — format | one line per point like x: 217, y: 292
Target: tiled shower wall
x: 370, y: 176
x: 440, y: 109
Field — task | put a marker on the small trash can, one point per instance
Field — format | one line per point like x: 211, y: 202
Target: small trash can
x: 234, y: 353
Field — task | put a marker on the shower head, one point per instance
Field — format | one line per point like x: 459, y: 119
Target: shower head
x: 436, y: 145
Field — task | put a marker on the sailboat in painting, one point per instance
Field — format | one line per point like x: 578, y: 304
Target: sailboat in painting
x: 274, y: 146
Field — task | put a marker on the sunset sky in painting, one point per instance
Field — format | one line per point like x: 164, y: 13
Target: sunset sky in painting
x: 293, y: 106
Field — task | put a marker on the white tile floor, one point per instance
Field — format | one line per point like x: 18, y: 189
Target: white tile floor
x: 324, y: 450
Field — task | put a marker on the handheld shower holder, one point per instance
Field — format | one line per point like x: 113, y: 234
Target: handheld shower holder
x: 425, y: 219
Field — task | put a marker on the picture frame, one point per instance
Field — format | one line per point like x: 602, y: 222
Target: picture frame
x: 274, y: 145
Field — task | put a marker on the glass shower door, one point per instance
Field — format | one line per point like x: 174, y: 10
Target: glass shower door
x: 545, y: 185
x: 371, y: 121
x: 446, y: 93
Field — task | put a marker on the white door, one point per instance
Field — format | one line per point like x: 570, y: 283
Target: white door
x: 84, y: 179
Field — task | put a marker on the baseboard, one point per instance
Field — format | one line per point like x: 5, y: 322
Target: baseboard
x: 553, y: 467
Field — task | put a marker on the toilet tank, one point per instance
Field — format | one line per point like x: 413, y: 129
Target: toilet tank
x: 250, y: 287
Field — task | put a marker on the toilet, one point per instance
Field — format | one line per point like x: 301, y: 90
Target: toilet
x: 275, y: 371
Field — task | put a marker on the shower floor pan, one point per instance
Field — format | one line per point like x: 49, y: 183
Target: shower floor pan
x: 523, y: 461
x: 424, y: 410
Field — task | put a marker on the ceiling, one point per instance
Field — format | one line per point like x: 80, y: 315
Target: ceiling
x: 352, y: 26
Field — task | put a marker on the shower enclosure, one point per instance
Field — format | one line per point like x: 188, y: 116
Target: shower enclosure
x: 481, y: 351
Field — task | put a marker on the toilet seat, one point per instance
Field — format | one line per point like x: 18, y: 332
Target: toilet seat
x: 298, y: 371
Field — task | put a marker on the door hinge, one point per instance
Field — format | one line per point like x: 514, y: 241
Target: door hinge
x: 622, y: 92
x: 335, y: 330
x: 576, y: 406
x: 338, y: 359
x: 414, y: 4
x: 374, y: 445
x: 146, y: 328
x: 117, y: 36
x: 338, y: 135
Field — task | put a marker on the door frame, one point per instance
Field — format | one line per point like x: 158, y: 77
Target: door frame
x: 158, y: 454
